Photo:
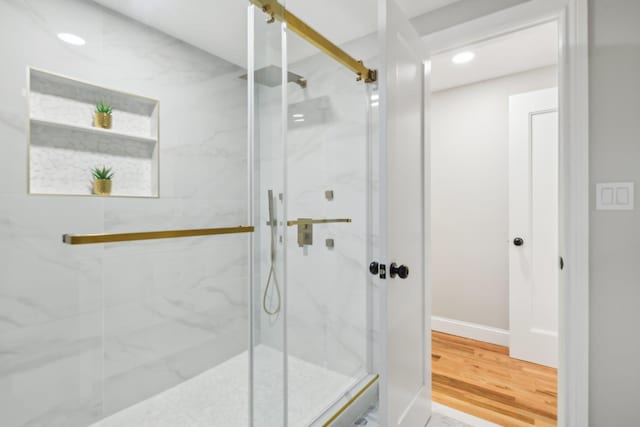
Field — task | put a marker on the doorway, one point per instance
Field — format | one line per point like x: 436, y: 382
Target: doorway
x: 495, y: 227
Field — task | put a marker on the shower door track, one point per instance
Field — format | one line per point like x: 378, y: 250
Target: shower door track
x: 84, y: 239
x: 298, y: 26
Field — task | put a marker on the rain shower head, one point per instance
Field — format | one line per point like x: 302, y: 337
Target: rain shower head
x: 271, y: 76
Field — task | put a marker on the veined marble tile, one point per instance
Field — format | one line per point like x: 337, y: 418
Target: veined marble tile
x: 150, y: 315
x: 327, y: 288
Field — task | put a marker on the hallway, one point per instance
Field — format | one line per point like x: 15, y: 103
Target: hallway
x: 482, y: 380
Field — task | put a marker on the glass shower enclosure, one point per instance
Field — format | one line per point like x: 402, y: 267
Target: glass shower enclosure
x: 217, y: 273
x: 313, y: 143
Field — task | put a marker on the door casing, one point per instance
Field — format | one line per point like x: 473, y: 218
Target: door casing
x: 573, y: 84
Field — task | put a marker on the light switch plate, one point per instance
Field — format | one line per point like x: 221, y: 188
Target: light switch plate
x: 615, y: 196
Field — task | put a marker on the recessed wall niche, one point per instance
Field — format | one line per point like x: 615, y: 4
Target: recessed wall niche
x: 64, y: 144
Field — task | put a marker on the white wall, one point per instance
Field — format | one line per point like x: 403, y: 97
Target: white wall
x: 469, y: 170
x: 615, y: 249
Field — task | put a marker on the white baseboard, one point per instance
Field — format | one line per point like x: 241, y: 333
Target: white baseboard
x: 461, y: 416
x: 470, y: 330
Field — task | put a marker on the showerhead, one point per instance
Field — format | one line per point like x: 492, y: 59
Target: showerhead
x: 271, y: 76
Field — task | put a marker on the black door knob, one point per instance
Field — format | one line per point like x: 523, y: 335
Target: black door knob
x: 374, y: 268
x: 518, y: 241
x: 402, y: 271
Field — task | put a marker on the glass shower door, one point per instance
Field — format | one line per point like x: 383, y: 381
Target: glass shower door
x: 313, y: 151
x: 328, y: 211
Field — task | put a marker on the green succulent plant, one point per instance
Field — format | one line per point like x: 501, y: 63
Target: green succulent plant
x: 101, y: 107
x: 102, y: 173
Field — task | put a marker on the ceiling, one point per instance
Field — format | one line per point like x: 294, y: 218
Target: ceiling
x: 415, y: 8
x: 220, y: 26
x: 524, y: 50
x: 216, y: 26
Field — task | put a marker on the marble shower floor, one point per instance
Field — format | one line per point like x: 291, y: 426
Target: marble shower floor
x: 219, y: 397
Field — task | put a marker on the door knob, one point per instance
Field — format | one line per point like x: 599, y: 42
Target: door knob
x: 402, y: 271
x: 518, y: 241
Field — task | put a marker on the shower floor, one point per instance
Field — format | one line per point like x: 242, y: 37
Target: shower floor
x: 219, y: 397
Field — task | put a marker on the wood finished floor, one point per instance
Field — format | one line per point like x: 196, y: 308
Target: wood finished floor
x: 482, y: 380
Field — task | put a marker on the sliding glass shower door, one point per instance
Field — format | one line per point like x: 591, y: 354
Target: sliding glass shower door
x: 313, y: 153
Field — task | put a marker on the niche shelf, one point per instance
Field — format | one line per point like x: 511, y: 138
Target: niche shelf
x: 64, y: 145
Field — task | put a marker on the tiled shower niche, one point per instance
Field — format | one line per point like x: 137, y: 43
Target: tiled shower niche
x: 64, y: 145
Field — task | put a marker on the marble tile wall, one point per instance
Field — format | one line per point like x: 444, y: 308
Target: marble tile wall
x: 87, y: 331
x: 327, y: 295
x: 327, y: 288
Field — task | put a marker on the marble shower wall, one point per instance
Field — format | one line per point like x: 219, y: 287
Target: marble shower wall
x: 327, y: 289
x: 86, y: 331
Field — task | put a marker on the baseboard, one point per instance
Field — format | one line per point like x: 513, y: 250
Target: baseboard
x: 470, y: 330
x: 461, y: 416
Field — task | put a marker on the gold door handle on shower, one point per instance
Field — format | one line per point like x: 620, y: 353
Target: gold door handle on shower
x: 84, y: 239
x: 305, y: 228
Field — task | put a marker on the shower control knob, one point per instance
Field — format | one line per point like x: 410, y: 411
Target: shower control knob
x: 374, y: 268
x: 401, y: 271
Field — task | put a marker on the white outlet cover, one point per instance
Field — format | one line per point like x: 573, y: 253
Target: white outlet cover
x: 615, y: 196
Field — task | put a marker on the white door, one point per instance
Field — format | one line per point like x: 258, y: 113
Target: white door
x: 406, y: 376
x: 533, y: 226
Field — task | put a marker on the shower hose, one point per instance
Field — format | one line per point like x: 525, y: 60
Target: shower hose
x: 272, y: 280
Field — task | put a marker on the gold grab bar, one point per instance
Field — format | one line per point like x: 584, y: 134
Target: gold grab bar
x: 84, y: 239
x: 301, y: 221
x: 279, y: 12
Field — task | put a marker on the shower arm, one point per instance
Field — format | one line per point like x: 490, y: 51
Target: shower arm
x: 279, y: 12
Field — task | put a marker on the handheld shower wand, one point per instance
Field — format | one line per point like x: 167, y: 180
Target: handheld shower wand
x: 273, y: 224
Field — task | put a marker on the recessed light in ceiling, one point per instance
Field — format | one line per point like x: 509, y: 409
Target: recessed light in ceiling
x: 463, y: 57
x: 72, y: 39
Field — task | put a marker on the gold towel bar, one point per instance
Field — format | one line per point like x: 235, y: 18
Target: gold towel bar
x: 83, y: 239
x: 302, y: 221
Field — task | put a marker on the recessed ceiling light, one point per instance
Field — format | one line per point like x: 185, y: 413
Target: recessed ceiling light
x: 463, y: 57
x: 72, y: 39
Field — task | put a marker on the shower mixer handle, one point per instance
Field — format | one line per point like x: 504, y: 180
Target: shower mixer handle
x: 401, y: 271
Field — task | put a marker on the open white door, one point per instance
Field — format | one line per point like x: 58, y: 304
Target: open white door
x: 406, y: 344
x: 533, y: 226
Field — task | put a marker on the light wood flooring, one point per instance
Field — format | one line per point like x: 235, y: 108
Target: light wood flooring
x: 482, y: 380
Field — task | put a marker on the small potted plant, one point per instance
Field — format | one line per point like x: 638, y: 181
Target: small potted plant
x: 102, y: 116
x: 102, y: 181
